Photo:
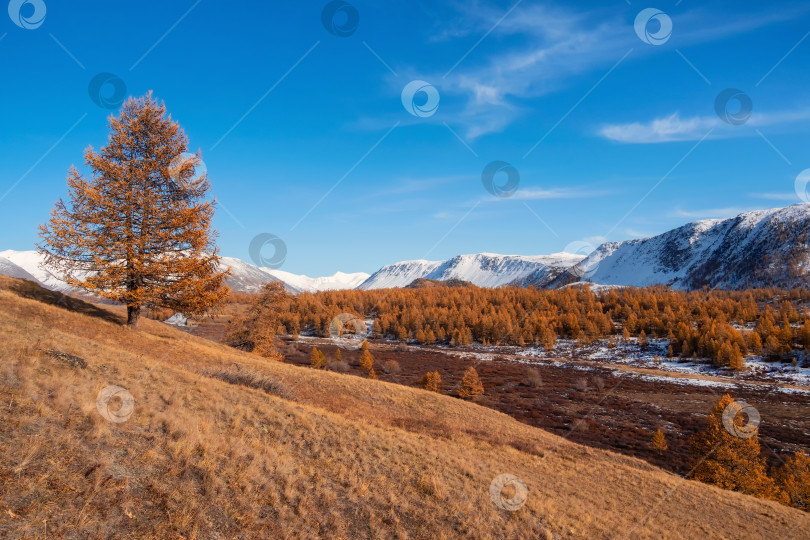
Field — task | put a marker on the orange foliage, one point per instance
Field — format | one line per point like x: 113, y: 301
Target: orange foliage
x: 432, y: 381
x: 730, y: 458
x: 470, y: 386
x: 703, y: 324
x: 138, y: 230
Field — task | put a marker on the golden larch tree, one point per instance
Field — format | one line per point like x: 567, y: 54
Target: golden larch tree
x: 317, y: 359
x: 470, y: 386
x: 723, y: 457
x: 256, y: 329
x: 138, y: 229
x: 794, y: 477
x: 432, y: 381
x: 366, y: 360
x: 659, y: 442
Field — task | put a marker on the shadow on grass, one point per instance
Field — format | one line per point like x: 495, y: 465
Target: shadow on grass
x: 32, y: 291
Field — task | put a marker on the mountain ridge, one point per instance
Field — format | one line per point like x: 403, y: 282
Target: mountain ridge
x: 761, y: 248
x: 480, y: 269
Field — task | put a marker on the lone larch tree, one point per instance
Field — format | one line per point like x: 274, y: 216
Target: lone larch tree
x: 138, y: 230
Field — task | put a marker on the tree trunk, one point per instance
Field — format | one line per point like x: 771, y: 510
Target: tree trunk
x: 133, y: 314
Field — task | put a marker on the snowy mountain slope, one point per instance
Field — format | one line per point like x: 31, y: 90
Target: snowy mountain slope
x: 8, y: 268
x: 764, y: 248
x: 482, y: 269
x: 29, y: 261
x: 399, y: 274
x: 248, y: 278
x: 245, y: 277
x: 338, y: 280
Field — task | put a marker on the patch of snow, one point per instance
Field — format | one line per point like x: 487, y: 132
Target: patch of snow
x: 178, y: 319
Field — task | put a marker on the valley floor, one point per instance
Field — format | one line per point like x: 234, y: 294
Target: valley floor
x: 615, y: 405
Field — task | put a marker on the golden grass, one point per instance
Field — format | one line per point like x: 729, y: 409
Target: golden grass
x: 211, y: 450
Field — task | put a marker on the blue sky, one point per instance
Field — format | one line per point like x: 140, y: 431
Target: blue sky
x: 305, y: 136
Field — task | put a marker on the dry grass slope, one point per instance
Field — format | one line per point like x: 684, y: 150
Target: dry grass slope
x: 223, y: 444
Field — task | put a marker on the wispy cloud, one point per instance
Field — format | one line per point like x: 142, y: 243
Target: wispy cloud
x: 674, y: 128
x: 539, y: 48
x: 786, y: 196
x: 710, y: 213
x: 534, y: 194
x: 635, y: 233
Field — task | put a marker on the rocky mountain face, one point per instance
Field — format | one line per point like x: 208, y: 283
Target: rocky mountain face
x: 764, y: 248
x: 482, y: 269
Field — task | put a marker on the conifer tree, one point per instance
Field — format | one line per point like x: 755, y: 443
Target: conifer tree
x: 794, y: 478
x: 736, y: 361
x: 366, y: 360
x: 372, y: 374
x: 338, y: 356
x: 728, y: 460
x: 659, y: 442
x: 432, y: 381
x: 252, y: 331
x: 317, y: 359
x: 138, y: 229
x: 470, y: 386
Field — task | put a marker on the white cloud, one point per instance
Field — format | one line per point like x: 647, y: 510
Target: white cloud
x: 540, y: 47
x: 674, y: 128
x: 596, y: 240
x: 533, y: 194
x: 710, y: 213
x: 635, y: 233
x: 787, y: 196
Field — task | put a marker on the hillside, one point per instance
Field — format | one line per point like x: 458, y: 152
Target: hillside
x: 764, y: 248
x: 226, y: 443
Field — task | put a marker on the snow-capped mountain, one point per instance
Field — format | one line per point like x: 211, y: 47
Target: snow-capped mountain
x: 8, y: 268
x: 244, y: 277
x: 27, y: 265
x: 482, y: 269
x: 248, y: 278
x: 764, y: 248
x: 338, y: 280
x: 19, y: 263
